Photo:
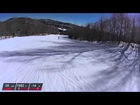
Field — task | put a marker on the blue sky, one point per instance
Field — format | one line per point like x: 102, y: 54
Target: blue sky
x: 76, y: 18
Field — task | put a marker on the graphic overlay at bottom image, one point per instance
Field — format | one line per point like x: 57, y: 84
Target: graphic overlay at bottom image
x: 36, y: 86
x: 22, y: 86
x: 9, y: 86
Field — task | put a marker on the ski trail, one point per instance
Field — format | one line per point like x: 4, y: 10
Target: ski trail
x: 62, y: 65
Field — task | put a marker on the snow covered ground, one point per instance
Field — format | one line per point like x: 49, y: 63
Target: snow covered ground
x: 66, y: 65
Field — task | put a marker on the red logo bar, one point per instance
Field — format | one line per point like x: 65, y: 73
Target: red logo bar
x: 7, y: 89
x: 22, y: 89
x: 35, y: 88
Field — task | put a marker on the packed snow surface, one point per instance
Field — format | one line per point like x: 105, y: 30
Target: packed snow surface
x: 63, y: 64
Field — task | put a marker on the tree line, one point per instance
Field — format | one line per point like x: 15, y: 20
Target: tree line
x: 119, y: 27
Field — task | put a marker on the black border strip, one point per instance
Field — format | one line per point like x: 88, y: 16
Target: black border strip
x: 58, y: 6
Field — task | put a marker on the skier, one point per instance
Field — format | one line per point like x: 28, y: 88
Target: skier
x: 58, y: 37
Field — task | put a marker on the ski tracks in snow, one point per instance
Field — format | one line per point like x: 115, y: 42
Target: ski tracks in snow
x: 61, y: 65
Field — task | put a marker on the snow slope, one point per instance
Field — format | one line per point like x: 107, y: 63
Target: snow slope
x: 64, y: 64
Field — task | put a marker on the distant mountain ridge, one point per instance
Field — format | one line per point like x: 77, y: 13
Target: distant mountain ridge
x: 57, y: 23
x: 29, y: 26
x: 49, y: 22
